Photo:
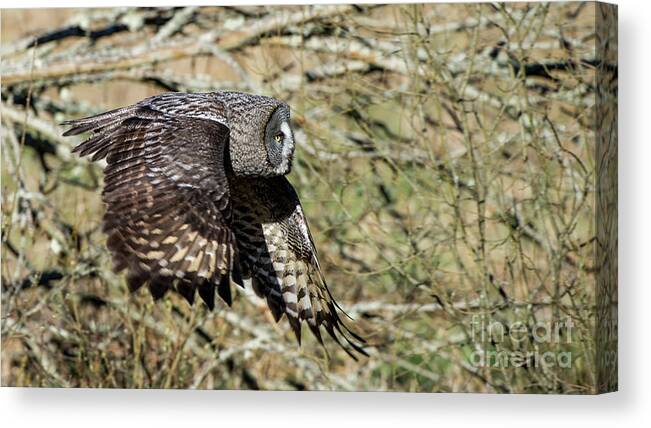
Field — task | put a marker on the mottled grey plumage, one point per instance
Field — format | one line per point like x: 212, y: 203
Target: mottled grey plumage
x: 197, y: 198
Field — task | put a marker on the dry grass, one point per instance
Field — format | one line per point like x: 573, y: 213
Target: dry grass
x: 446, y: 162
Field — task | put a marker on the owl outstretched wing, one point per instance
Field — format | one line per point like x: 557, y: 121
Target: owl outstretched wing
x: 278, y: 254
x: 168, y: 199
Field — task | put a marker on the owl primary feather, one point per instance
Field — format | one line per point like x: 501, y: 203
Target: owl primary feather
x: 197, y: 199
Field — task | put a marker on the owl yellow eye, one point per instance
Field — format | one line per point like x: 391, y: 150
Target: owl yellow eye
x: 278, y: 138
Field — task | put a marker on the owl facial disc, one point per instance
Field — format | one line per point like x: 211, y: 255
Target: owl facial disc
x: 287, y: 148
x: 279, y: 141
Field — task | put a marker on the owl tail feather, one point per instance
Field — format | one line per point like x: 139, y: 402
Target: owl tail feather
x: 317, y: 308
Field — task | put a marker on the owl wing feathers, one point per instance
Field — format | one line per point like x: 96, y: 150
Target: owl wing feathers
x: 168, y: 200
x: 280, y: 256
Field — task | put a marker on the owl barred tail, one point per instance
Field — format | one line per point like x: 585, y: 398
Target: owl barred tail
x: 304, y: 300
x: 314, y: 299
x: 288, y: 275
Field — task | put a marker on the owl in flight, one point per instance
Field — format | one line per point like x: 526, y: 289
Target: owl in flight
x: 197, y: 199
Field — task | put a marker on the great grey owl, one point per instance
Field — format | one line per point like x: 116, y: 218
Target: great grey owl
x: 197, y: 198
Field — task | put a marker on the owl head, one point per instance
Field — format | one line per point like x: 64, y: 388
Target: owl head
x: 261, y: 141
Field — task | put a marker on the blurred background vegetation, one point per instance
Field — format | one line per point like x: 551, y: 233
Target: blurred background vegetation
x: 445, y: 162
